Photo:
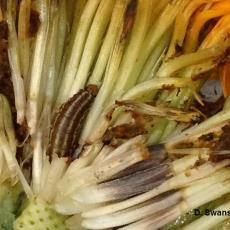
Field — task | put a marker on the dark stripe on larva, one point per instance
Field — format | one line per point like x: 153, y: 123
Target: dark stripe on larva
x: 68, y: 123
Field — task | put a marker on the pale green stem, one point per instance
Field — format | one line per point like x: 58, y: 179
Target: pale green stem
x: 92, y: 45
x: 151, y: 66
x: 125, y: 78
x: 162, y: 25
x: 13, y: 52
x: 107, y: 85
x: 171, y: 66
x: 23, y: 38
x: 138, y: 92
x: 74, y: 58
x: 62, y: 32
x: 108, y: 43
x: 50, y: 74
x: 37, y: 66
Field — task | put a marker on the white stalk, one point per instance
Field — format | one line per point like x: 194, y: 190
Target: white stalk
x: 132, y: 214
x: 154, y: 221
x: 184, y: 163
x: 176, y: 182
x: 37, y: 66
x: 56, y: 170
x: 13, y: 52
x: 37, y: 163
x: 151, y: 66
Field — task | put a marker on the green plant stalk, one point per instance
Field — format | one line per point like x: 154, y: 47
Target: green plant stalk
x: 172, y: 125
x: 141, y: 23
x: 70, y: 7
x: 62, y: 32
x: 152, y: 38
x: 61, y: 43
x: 67, y: 35
x: 50, y: 74
x: 136, y: 93
x: 160, y: 126
x: 139, y: 91
x: 188, y: 73
x: 93, y: 44
x: 110, y: 78
x: 170, y: 67
x: 108, y: 43
x: 79, y: 7
x: 74, y: 58
x: 151, y: 66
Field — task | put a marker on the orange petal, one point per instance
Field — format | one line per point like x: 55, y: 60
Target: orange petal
x: 225, y: 79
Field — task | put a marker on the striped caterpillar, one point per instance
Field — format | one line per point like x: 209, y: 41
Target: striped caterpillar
x: 68, y: 122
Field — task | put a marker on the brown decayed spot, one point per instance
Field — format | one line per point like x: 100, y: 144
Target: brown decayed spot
x: 129, y: 19
x: 179, y: 50
x: 4, y: 30
x: 222, y: 144
x: 216, y: 141
x: 124, y: 131
x: 168, y: 87
x: 3, y: 6
x: 6, y: 86
x: 223, y: 59
x: 207, y: 29
x: 224, y: 141
x: 109, y: 115
x: 211, y: 108
x: 34, y: 23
